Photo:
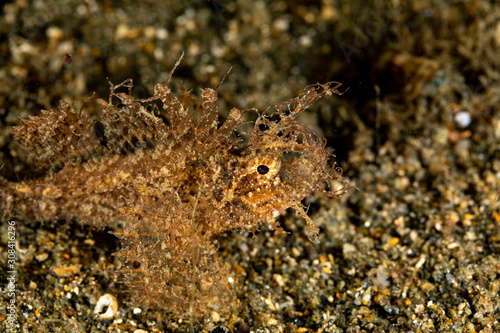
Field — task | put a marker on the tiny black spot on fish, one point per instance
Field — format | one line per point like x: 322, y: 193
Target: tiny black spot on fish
x: 135, y: 141
x: 99, y: 132
x: 128, y: 147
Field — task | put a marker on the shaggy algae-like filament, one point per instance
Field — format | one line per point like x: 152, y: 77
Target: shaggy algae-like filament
x: 176, y: 181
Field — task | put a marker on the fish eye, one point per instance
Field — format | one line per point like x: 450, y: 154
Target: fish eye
x: 262, y: 169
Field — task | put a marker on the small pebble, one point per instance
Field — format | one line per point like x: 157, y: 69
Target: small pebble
x: 66, y: 271
x: 41, y: 257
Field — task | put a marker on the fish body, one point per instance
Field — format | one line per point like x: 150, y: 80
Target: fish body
x: 174, y: 181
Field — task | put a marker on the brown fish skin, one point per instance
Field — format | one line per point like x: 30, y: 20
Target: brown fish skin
x: 174, y: 181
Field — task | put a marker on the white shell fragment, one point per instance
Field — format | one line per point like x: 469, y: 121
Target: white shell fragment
x: 109, y: 301
x: 463, y: 119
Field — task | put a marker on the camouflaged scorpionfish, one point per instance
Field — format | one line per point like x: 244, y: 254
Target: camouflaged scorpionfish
x: 175, y: 181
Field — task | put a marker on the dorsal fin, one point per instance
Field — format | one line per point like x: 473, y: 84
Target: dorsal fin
x: 63, y: 134
x: 57, y: 136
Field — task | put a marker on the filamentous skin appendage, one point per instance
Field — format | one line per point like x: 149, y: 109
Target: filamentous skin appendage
x: 174, y: 180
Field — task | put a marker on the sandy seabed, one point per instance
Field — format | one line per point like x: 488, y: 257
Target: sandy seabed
x: 413, y: 247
